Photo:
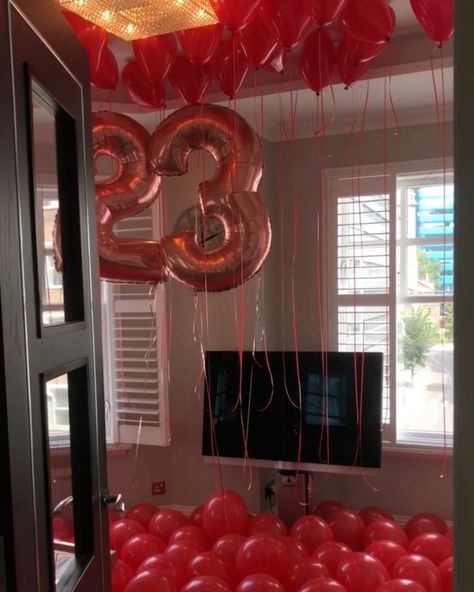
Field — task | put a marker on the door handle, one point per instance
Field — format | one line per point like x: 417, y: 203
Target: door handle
x: 113, y: 499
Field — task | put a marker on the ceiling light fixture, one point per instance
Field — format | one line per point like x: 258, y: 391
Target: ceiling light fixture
x: 138, y: 19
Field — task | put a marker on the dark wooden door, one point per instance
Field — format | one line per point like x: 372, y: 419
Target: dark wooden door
x: 52, y: 444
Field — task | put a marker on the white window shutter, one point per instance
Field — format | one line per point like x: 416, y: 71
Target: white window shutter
x: 135, y: 357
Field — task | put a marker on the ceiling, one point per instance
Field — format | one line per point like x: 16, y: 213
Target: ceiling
x: 403, y: 75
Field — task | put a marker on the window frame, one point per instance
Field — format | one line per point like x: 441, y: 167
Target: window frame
x: 376, y: 179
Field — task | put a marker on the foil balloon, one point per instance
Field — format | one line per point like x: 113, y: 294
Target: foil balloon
x: 230, y: 196
x: 131, y: 188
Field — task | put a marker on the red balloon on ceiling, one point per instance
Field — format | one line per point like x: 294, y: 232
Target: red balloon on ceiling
x: 276, y: 61
x: 142, y: 91
x: 93, y: 37
x: 349, y: 70
x: 230, y: 66
x: 362, y: 51
x: 199, y: 44
x: 290, y: 20
x: 436, y: 18
x: 372, y: 21
x: 325, y: 12
x: 258, y: 40
x: 235, y: 14
x: 317, y: 60
x: 189, y: 80
x: 155, y: 55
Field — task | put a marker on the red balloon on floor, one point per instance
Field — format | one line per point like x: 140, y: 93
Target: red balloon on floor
x: 303, y: 571
x: 437, y: 547
x: 446, y: 573
x: 224, y: 513
x: 294, y: 549
x: 206, y: 584
x: 165, y: 522
x: 167, y: 567
x: 63, y: 527
x: 327, y: 509
x: 261, y: 553
x: 361, y: 573
x: 399, y: 585
x: 387, y: 552
x: 228, y: 545
x: 138, y: 548
x: 384, y: 530
x: 311, y: 531
x: 259, y: 583
x: 323, y: 585
x: 122, y: 530
x: 141, y: 513
x: 183, y: 551
x: 420, y: 569
x: 120, y: 576
x: 150, y: 581
x: 348, y: 528
x: 196, y: 516
x: 331, y: 554
x: 210, y: 563
x: 266, y: 523
x: 371, y: 513
x: 425, y: 522
x: 189, y: 532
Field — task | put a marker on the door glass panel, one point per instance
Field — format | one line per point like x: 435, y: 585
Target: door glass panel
x: 60, y: 475
x: 47, y: 209
x: 57, y: 207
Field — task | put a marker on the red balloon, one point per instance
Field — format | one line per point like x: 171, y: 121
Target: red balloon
x: 184, y: 551
x: 425, y: 522
x: 122, y: 530
x: 317, y: 60
x: 399, y: 585
x: 235, y: 15
x: 420, y: 569
x: 210, y: 563
x: 361, y: 573
x: 258, y: 40
x: 63, y: 527
x: 276, y: 61
x: 189, y: 80
x: 385, y: 530
x: 224, y: 513
x: 120, y: 575
x: 331, y: 554
x: 323, y: 585
x: 150, y: 580
x: 436, y: 18
x: 294, y: 549
x: 371, y: 513
x: 141, y: 91
x: 348, y: 528
x: 446, y: 573
x: 266, y: 523
x: 138, y: 548
x: 433, y: 545
x: 387, y: 552
x: 155, y: 56
x: 324, y: 12
x: 368, y: 20
x: 327, y: 509
x: 312, y: 531
x: 141, y: 513
x: 167, y: 567
x: 103, y: 71
x: 230, y: 66
x: 190, y: 532
x: 302, y: 572
x: 259, y: 583
x: 361, y: 51
x: 165, y: 522
x: 93, y: 37
x: 349, y: 71
x: 228, y: 545
x: 261, y: 553
x: 449, y: 533
x: 196, y: 516
x: 206, y: 584
x: 200, y: 43
x: 290, y: 20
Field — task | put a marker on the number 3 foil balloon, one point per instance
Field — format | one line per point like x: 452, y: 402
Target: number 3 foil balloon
x: 131, y: 188
x: 230, y: 196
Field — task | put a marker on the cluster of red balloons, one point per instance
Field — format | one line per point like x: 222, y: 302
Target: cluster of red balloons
x: 261, y: 32
x: 220, y: 548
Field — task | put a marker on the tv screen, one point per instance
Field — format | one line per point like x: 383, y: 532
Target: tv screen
x: 315, y: 408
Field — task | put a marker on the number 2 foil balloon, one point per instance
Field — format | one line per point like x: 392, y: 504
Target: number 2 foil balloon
x: 231, y: 196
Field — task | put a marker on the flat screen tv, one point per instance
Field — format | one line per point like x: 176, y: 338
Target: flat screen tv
x: 316, y: 408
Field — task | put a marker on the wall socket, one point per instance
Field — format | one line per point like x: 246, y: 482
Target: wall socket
x: 158, y: 488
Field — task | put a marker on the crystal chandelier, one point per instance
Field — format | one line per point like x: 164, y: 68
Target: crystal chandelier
x: 137, y: 19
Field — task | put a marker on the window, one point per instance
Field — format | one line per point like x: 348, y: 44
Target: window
x: 393, y: 289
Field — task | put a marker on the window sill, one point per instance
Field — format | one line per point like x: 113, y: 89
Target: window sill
x: 417, y: 451
x: 59, y: 454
